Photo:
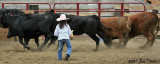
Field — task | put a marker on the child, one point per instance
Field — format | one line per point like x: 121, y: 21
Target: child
x: 63, y: 32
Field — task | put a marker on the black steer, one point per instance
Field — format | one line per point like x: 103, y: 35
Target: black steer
x: 91, y: 25
x: 29, y: 26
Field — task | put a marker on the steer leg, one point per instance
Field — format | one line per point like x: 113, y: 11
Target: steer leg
x: 121, y: 39
x: 149, y: 38
x: 152, y: 42
x: 44, y: 44
x: 106, y: 42
x: 47, y: 37
x: 154, y: 36
x: 53, y: 39
x: 36, y: 41
x: 26, y: 40
x: 21, y: 42
x: 126, y: 37
x: 125, y: 42
x: 96, y: 39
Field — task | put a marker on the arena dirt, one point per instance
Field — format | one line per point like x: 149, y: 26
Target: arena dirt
x: 82, y: 53
x: 3, y: 33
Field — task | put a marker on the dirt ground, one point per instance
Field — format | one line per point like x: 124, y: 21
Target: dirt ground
x: 82, y: 53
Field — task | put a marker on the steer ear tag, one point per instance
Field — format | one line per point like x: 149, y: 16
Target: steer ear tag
x: 54, y: 11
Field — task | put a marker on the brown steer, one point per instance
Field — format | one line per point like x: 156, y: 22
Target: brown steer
x: 119, y: 26
x: 144, y: 24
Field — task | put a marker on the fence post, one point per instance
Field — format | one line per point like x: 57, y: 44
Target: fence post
x: 26, y: 6
x: 77, y: 9
x: 122, y: 9
x: 2, y: 6
x: 99, y: 8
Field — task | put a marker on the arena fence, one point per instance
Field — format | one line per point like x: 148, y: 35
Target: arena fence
x: 27, y: 7
x: 78, y: 9
x: 99, y: 7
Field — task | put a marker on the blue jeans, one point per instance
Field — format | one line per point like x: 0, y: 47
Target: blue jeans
x: 69, y: 48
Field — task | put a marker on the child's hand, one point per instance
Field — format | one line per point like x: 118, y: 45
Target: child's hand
x: 71, y: 34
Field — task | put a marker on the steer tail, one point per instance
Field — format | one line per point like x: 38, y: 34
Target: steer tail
x: 99, y: 22
x: 101, y: 32
x: 128, y: 26
x: 157, y: 27
x: 156, y: 19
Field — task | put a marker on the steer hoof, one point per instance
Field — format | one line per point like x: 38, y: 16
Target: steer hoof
x: 110, y: 46
x: 95, y: 50
x: 40, y: 49
x: 37, y: 47
x: 121, y: 46
x: 143, y: 47
x: 28, y: 48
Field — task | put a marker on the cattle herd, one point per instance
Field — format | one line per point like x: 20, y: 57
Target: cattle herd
x: 28, y: 26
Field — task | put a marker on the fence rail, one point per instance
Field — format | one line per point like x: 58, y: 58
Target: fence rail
x: 99, y: 7
x: 27, y: 7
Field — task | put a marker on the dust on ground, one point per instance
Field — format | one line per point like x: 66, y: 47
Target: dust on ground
x: 82, y: 53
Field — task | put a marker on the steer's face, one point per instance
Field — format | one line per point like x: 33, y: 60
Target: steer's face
x: 3, y: 22
x: 3, y: 14
x: 11, y: 33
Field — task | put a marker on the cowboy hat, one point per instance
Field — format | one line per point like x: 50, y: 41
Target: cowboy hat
x: 62, y: 17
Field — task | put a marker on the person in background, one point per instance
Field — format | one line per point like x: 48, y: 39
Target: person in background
x: 63, y: 32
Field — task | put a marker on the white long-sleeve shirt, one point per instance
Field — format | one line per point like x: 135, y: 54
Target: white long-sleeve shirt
x: 63, y: 33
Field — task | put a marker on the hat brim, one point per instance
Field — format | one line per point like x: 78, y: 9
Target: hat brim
x: 58, y: 19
